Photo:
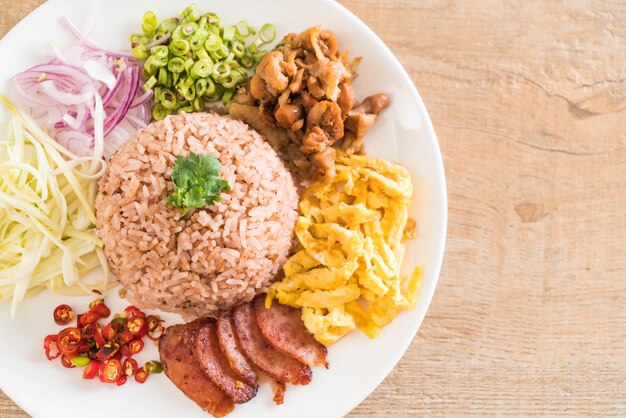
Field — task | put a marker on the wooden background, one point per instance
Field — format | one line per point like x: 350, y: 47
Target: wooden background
x: 528, y: 100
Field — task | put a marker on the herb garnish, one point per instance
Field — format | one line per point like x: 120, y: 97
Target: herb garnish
x: 196, y: 182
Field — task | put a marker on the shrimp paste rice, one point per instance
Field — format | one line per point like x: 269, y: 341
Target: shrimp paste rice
x: 212, y: 258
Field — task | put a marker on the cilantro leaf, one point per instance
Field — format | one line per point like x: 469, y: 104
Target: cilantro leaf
x: 196, y: 182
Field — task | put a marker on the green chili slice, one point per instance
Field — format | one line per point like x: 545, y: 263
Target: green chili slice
x: 176, y: 65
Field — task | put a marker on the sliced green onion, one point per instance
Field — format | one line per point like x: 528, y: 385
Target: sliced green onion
x: 176, y: 65
x: 202, y: 54
x: 243, y: 28
x: 201, y: 69
x: 201, y: 86
x: 168, y: 99
x: 140, y: 52
x: 212, y: 18
x: 179, y: 47
x: 186, y: 109
x: 238, y: 48
x: 159, y: 112
x: 149, y: 23
x: 213, y: 42
x: 163, y: 77
x: 190, y: 14
x: 229, y: 33
x: 137, y: 39
x: 168, y: 25
x: 267, y: 33
x: 210, y: 88
x: 223, y: 51
x: 160, y: 51
x: 247, y: 61
x: 196, y: 41
x: 198, y: 104
x: 228, y: 94
x: 221, y: 70
x: 150, y: 83
x: 189, y: 29
x: 255, y: 45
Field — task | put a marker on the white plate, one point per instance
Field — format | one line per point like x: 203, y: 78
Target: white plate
x: 357, y: 364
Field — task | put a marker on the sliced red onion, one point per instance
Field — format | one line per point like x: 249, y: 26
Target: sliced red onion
x: 86, y: 90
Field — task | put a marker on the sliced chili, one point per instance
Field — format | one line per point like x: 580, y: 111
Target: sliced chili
x: 125, y: 337
x: 92, y: 369
x: 135, y: 346
x: 153, y: 322
x: 110, y: 371
x: 157, y: 333
x: 50, y: 347
x: 87, y: 318
x: 121, y: 380
x: 154, y: 366
x: 141, y: 375
x: 96, y: 302
x: 118, y: 323
x: 109, y: 332
x: 68, y: 341
x: 63, y: 314
x: 101, y: 310
x: 134, y: 311
x: 137, y: 326
x: 67, y: 362
x: 130, y: 366
x: 107, y: 351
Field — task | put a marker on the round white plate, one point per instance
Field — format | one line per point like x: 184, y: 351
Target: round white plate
x: 357, y: 364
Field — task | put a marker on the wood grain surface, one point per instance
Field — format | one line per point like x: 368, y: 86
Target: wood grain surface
x: 528, y: 99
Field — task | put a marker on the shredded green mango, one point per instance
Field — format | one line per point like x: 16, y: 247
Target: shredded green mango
x: 48, y: 237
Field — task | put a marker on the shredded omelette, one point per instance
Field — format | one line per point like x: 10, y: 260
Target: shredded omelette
x: 351, y: 230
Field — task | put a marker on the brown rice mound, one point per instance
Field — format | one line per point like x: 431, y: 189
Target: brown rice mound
x: 215, y: 257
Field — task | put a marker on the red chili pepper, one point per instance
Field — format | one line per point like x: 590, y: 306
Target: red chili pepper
x: 130, y: 366
x: 141, y: 375
x: 97, y: 336
x: 101, y: 310
x: 67, y: 362
x: 109, y: 332
x: 157, y: 333
x: 63, y: 314
x: 118, y: 324
x: 121, y: 380
x: 135, y: 346
x: 95, y: 302
x: 125, y: 337
x: 125, y: 351
x: 87, y: 318
x: 92, y: 369
x: 50, y: 347
x: 110, y: 371
x: 68, y: 341
x: 153, y: 322
x: 133, y: 311
x: 107, y: 351
x: 137, y: 326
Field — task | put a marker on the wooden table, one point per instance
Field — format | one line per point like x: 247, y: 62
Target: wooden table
x: 528, y: 99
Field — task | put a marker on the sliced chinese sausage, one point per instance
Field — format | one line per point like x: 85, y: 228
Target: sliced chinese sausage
x: 232, y: 350
x: 279, y: 366
x: 182, y: 369
x: 283, y: 328
x: 214, y: 364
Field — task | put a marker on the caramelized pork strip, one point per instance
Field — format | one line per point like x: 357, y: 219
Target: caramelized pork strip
x: 215, y: 365
x: 232, y: 350
x: 282, y: 326
x: 182, y: 369
x: 258, y: 350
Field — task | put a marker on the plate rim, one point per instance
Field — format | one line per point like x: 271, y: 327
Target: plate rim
x: 375, y: 381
